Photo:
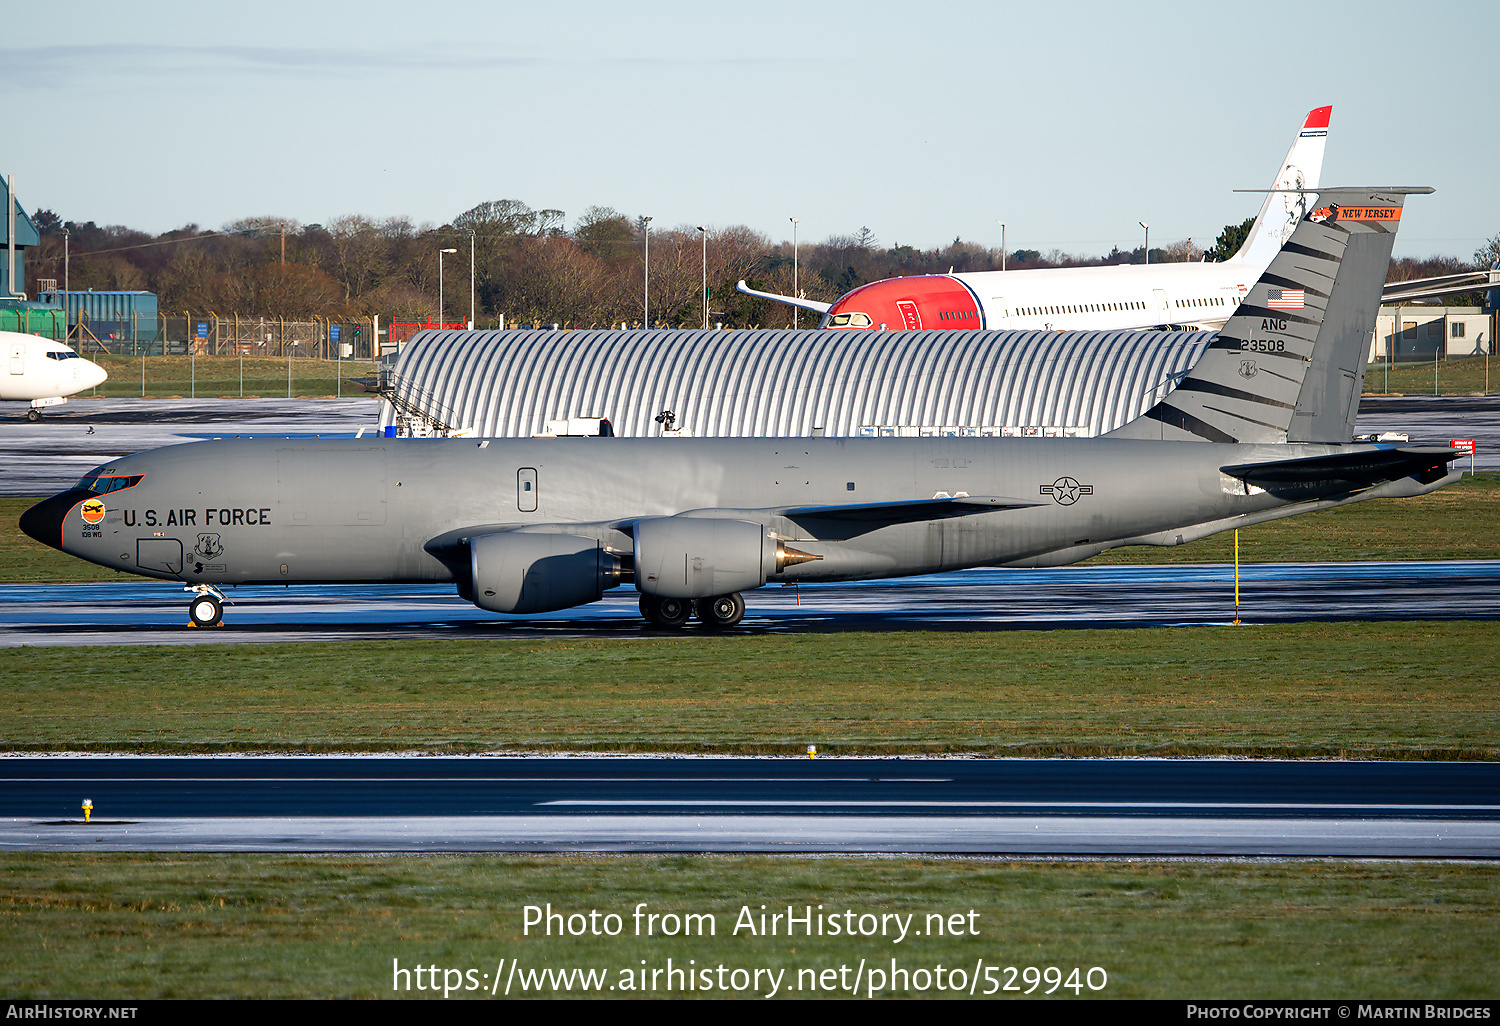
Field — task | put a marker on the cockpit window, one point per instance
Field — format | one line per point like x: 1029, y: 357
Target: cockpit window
x: 62, y: 354
x: 101, y: 485
x: 850, y: 320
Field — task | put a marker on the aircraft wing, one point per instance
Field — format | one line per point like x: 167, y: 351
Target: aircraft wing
x: 1444, y: 285
x: 907, y: 511
x: 806, y: 304
x: 1346, y: 472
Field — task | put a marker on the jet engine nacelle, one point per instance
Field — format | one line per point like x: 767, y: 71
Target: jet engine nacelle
x: 695, y: 557
x: 518, y: 572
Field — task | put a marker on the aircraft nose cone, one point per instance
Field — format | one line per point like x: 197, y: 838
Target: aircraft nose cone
x: 44, y: 521
x: 95, y: 376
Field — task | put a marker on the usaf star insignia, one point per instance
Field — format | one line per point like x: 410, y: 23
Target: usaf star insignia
x: 1066, y: 490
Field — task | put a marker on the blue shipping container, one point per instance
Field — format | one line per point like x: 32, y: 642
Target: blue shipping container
x: 118, y: 307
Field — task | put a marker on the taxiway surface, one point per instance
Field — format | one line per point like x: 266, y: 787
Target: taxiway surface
x: 155, y: 612
x: 1045, y: 806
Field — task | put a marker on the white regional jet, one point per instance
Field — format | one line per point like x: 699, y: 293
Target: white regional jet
x: 1117, y: 297
x: 43, y: 371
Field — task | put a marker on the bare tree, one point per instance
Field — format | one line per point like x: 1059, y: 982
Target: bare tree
x: 360, y: 253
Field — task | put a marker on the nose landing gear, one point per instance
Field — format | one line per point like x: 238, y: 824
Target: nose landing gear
x: 207, y: 606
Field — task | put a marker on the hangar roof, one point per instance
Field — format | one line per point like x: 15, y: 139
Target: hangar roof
x: 787, y: 383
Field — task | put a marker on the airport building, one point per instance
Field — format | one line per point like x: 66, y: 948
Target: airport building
x: 783, y: 383
x: 17, y: 235
x: 1421, y: 333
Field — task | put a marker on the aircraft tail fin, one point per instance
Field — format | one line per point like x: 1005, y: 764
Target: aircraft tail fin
x: 1281, y: 211
x: 1289, y: 363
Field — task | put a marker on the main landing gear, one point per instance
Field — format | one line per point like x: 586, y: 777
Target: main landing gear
x: 717, y: 612
x: 207, y: 607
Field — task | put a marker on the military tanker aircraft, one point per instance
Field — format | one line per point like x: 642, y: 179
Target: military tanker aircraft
x: 1258, y: 430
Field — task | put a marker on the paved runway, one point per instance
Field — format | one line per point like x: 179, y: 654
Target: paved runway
x: 1067, y: 807
x: 41, y: 459
x: 154, y: 612
x: 1437, y: 420
x: 1075, y: 807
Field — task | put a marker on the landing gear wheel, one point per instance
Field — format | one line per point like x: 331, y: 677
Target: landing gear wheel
x: 666, y: 612
x: 205, y: 611
x: 722, y: 611
x: 33, y: 415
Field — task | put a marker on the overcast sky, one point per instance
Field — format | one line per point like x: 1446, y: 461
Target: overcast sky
x: 1069, y: 121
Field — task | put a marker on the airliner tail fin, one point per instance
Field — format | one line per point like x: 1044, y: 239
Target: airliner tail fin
x: 1281, y: 211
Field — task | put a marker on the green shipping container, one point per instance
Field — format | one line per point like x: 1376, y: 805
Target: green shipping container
x: 47, y: 322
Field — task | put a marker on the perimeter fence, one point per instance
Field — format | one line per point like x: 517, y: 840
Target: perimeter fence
x: 229, y: 335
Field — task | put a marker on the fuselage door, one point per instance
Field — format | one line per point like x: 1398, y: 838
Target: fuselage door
x: 526, y: 489
x: 995, y: 314
x: 1159, y: 297
x: 18, y: 358
x: 909, y: 314
x: 159, y: 555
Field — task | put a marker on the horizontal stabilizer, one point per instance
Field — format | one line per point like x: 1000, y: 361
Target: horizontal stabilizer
x: 1346, y: 471
x: 906, y: 512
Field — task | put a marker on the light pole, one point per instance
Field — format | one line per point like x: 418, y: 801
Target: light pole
x: 471, y: 279
x: 1002, y: 244
x: 440, y: 285
x: 795, y: 223
x: 704, y: 233
x: 646, y: 295
x: 67, y: 238
x: 1146, y: 226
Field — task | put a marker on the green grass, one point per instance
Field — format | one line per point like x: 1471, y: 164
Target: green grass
x: 217, y: 926
x: 212, y: 376
x: 1406, y: 691
x: 24, y: 561
x: 1457, y: 522
x: 1463, y: 376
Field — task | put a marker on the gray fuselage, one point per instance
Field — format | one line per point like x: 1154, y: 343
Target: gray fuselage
x: 243, y: 511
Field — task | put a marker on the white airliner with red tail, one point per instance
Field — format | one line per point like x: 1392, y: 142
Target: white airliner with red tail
x: 1117, y: 297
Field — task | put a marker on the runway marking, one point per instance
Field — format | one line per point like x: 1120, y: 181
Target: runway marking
x: 541, y: 780
x: 1036, y: 804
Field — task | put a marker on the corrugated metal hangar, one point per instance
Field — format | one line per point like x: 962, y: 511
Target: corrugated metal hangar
x: 791, y: 383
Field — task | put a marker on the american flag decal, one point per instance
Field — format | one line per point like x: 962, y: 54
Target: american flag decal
x: 1284, y: 299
